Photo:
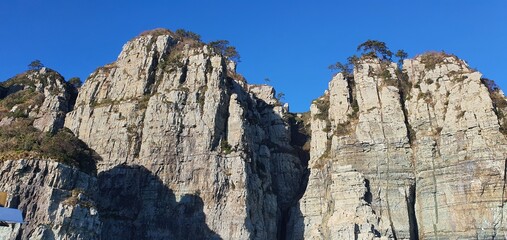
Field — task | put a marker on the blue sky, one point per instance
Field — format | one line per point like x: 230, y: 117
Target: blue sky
x: 289, y: 42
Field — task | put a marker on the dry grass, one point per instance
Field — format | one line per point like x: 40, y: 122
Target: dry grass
x: 156, y: 32
x: 432, y: 59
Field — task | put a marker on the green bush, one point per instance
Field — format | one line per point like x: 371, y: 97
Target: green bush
x: 375, y: 49
x: 185, y: 34
x: 35, y: 65
x: 20, y: 139
x: 225, y: 147
x: 76, y: 82
x: 323, y: 106
x: 499, y: 103
x: 223, y: 47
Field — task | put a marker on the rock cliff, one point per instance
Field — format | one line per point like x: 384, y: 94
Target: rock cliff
x: 170, y: 142
x: 201, y: 142
x: 47, y: 172
x: 57, y: 200
x: 42, y: 95
x: 409, y: 154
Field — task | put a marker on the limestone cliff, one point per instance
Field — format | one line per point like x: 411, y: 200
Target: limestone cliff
x: 180, y: 132
x: 56, y: 200
x: 409, y: 154
x: 46, y: 171
x: 170, y: 142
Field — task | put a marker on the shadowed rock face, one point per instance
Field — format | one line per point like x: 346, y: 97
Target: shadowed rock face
x: 135, y: 204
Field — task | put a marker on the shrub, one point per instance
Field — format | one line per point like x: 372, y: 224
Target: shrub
x: 76, y: 82
x: 499, y: 103
x: 431, y: 59
x: 345, y: 69
x: 374, y: 48
x: 20, y: 139
x: 185, y: 34
x: 35, y: 65
x: 342, y: 129
x: 225, y: 147
x: 156, y: 32
x: 223, y: 47
x: 323, y: 106
x: 401, y: 55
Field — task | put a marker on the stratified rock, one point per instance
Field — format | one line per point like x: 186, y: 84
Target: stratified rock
x: 359, y: 124
x: 460, y: 153
x: 56, y: 200
x: 425, y: 143
x: 174, y: 108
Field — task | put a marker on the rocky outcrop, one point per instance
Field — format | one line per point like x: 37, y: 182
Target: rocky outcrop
x: 189, y: 150
x: 359, y: 144
x: 36, y: 155
x: 406, y: 155
x: 459, y: 151
x: 42, y: 95
x: 56, y: 200
x: 192, y: 131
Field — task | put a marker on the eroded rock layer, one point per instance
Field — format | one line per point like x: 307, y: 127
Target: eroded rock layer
x: 174, y: 144
x: 57, y: 201
x: 417, y: 153
x: 179, y: 113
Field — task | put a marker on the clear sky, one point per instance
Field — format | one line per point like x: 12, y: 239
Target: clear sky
x: 289, y: 42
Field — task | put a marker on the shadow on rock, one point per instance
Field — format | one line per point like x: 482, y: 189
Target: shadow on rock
x: 135, y: 204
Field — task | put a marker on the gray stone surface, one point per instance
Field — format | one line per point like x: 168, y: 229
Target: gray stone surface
x: 48, y: 102
x: 433, y: 166
x: 178, y: 111
x: 190, y: 150
x: 56, y: 200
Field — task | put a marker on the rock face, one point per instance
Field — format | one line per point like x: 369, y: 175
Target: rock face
x: 57, y: 200
x: 360, y: 146
x: 189, y: 150
x: 194, y: 141
x: 419, y: 157
x: 44, y: 96
x: 460, y: 153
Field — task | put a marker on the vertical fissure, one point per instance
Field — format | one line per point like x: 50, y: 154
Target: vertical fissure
x: 434, y: 178
x: 299, y: 140
x: 388, y: 163
x: 410, y: 199
x: 404, y: 88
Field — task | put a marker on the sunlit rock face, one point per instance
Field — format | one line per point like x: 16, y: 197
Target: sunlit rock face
x: 41, y: 95
x: 177, y: 145
x: 407, y: 154
x: 204, y: 145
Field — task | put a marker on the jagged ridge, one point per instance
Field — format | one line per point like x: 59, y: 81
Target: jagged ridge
x: 395, y: 154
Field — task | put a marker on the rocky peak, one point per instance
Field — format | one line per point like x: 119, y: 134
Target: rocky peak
x: 189, y: 149
x: 405, y: 136
x: 41, y: 95
x: 176, y: 108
